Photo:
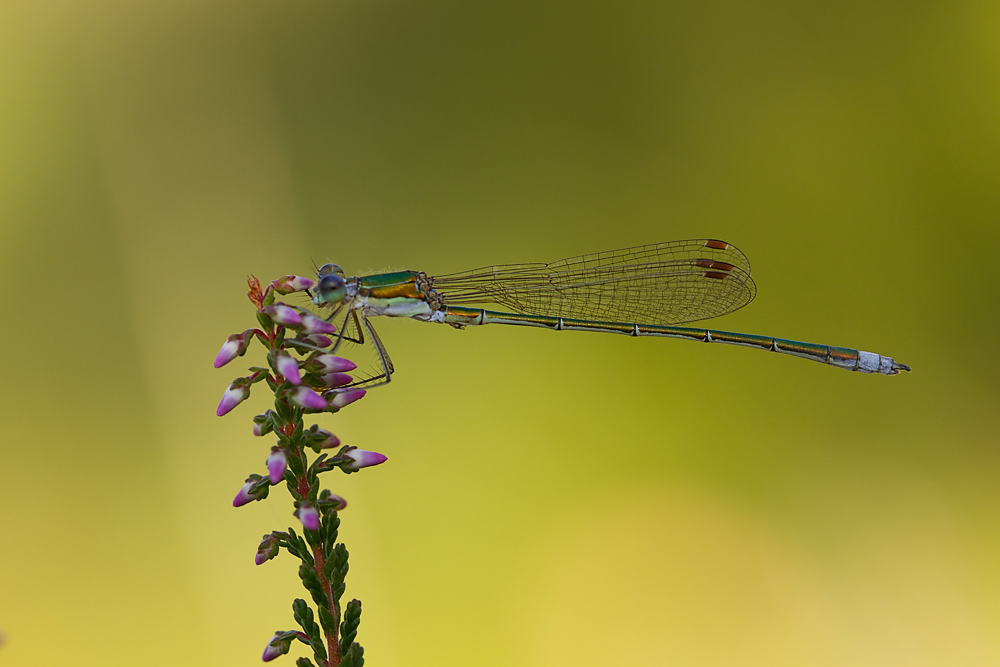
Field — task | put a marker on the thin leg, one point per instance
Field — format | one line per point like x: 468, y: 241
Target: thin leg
x: 341, y: 330
x: 385, y: 377
x: 360, y: 340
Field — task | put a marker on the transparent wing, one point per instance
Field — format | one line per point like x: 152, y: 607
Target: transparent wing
x: 660, y: 283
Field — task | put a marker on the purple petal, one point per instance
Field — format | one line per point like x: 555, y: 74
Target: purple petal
x: 289, y: 368
x: 230, y: 350
x: 330, y: 442
x: 314, y: 325
x: 256, y: 429
x: 337, y: 380
x: 283, y: 314
x: 361, y: 458
x: 233, y: 397
x: 332, y: 364
x: 309, y: 516
x: 345, y: 398
x: 308, y: 398
x: 276, y: 464
x: 334, y: 498
x: 267, y: 549
x: 272, y: 652
x: 319, y: 340
x: 290, y: 284
x: 244, y: 496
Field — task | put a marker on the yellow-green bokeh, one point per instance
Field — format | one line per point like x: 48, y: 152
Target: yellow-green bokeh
x: 550, y: 499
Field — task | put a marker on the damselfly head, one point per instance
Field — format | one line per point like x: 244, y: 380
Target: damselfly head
x: 330, y: 269
x: 330, y: 290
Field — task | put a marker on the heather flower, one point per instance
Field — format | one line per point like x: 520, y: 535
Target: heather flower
x: 334, y: 380
x: 314, y: 325
x: 238, y: 392
x: 308, y: 516
x: 331, y: 501
x: 356, y: 459
x: 290, y: 284
x: 271, y: 651
x: 248, y: 493
x: 267, y: 549
x: 234, y: 347
x: 276, y: 464
x: 263, y: 423
x: 319, y: 438
x: 344, y: 398
x: 327, y: 363
x: 318, y: 340
x: 284, y: 315
x: 288, y: 367
x: 307, y: 398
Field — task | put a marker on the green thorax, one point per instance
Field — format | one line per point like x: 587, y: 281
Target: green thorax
x: 389, y: 286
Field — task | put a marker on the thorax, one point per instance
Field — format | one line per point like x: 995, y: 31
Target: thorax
x: 399, y: 294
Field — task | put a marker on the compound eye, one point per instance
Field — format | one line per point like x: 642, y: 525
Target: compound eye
x: 330, y: 270
x: 331, y: 288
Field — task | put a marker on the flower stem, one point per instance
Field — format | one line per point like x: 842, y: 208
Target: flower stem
x: 332, y: 640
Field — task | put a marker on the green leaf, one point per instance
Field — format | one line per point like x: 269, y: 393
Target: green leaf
x: 331, y: 524
x: 354, y: 657
x: 326, y: 618
x: 283, y: 410
x: 265, y: 321
x: 349, y: 627
x: 312, y: 584
x: 295, y: 464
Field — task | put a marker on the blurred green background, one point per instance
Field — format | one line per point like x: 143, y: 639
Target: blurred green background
x: 550, y: 499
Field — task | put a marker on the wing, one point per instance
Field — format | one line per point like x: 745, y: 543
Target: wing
x: 660, y: 283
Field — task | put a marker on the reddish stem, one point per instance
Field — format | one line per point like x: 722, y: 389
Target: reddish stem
x: 332, y: 639
x: 302, y: 484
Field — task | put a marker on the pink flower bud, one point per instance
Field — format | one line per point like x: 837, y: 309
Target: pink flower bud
x: 234, y: 347
x: 276, y: 464
x: 308, y: 516
x: 290, y: 284
x: 271, y: 651
x: 360, y: 458
x: 308, y: 398
x: 230, y: 350
x: 331, y: 364
x: 334, y: 380
x: 263, y: 424
x: 288, y: 367
x: 267, y: 549
x: 319, y: 340
x: 236, y: 394
x: 247, y: 494
x: 314, y: 325
x: 345, y: 398
x: 283, y: 314
x: 333, y: 499
x: 331, y: 441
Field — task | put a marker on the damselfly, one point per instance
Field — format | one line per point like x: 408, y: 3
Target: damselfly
x: 642, y: 291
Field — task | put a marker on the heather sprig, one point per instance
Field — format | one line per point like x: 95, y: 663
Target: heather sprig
x: 305, y: 378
